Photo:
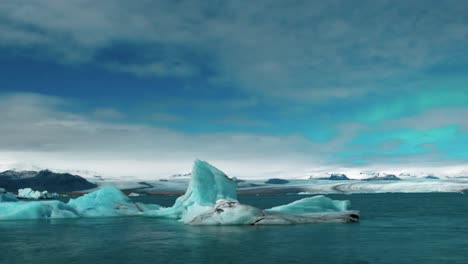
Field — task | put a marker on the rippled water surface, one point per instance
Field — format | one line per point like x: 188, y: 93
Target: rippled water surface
x: 394, y: 228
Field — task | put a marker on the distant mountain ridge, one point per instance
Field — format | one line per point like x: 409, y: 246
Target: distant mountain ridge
x: 336, y: 177
x: 11, y: 181
x: 388, y: 177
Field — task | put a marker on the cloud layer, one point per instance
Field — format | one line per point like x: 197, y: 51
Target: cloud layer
x: 39, y: 130
x: 261, y: 88
x: 301, y: 50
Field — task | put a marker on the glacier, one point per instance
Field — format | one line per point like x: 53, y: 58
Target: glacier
x: 210, y: 199
x: 403, y: 186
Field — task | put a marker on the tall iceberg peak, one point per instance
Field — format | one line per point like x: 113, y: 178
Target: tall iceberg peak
x: 207, y: 185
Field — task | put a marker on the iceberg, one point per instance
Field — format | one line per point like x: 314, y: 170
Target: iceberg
x: 210, y: 199
x: 233, y: 213
x: 316, y: 204
x: 28, y: 193
x: 6, y: 196
x: 36, y: 210
x: 105, y: 202
x: 207, y: 185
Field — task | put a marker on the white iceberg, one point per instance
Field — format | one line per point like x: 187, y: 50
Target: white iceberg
x: 28, y: 193
x: 233, y: 213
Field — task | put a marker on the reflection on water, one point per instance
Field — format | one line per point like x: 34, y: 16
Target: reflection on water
x: 395, y: 228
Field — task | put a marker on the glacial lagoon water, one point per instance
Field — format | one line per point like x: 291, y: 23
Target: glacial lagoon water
x: 394, y: 228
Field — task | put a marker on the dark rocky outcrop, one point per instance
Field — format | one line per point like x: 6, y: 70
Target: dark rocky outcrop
x: 276, y: 181
x: 43, y: 180
x: 336, y: 177
x: 389, y: 177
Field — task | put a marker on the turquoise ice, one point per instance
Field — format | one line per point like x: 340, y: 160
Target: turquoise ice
x: 105, y: 202
x: 6, y: 196
x: 210, y: 199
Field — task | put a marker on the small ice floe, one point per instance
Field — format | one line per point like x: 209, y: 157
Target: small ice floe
x: 30, y: 194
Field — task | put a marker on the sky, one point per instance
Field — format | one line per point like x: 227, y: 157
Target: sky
x: 257, y: 88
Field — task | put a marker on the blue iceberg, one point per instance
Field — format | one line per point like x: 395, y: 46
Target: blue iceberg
x: 6, y: 196
x: 36, y: 210
x: 210, y: 199
x: 206, y: 187
x: 315, y: 204
x: 105, y: 202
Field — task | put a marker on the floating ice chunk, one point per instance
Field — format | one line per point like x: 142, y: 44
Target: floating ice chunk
x: 28, y: 193
x: 226, y: 212
x: 273, y: 218
x: 107, y: 201
x: 233, y: 213
x: 314, y: 204
x: 36, y: 210
x: 134, y: 194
